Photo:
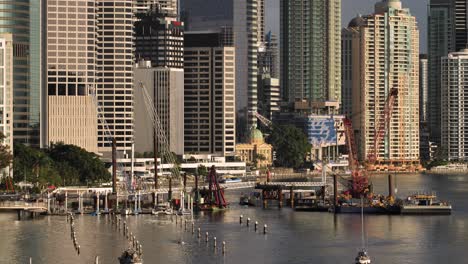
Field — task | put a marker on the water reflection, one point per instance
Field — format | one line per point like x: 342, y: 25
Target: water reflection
x: 294, y: 237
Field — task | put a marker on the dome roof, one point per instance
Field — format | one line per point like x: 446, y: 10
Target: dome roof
x: 256, y: 135
x: 357, y: 21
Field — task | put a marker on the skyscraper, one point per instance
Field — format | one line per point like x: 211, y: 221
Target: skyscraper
x: 389, y: 46
x: 454, y: 99
x: 115, y: 60
x: 159, y: 39
x: 441, y: 41
x: 311, y: 50
x: 6, y: 89
x: 210, y: 85
x: 460, y: 9
x: 71, y: 73
x: 245, y: 19
x: 21, y: 19
x: 268, y: 56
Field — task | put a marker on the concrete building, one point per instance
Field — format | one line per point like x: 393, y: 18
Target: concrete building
x: 424, y: 142
x: 167, y: 8
x: 21, y: 18
x: 6, y: 89
x: 441, y: 41
x: 389, y: 44
x: 269, y: 96
x: 245, y: 19
x: 454, y: 105
x: 71, y: 63
x: 165, y: 87
x: 159, y: 39
x: 209, y: 94
x: 115, y: 49
x: 310, y: 50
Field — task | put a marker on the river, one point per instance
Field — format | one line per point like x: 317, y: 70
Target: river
x: 292, y: 238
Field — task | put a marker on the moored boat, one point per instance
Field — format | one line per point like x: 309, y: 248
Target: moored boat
x: 425, y: 204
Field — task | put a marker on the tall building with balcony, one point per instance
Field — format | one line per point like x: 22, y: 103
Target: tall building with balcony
x: 245, y: 20
x: 454, y: 105
x: 21, y: 18
x: 209, y: 94
x: 389, y: 46
x: 115, y: 60
x: 310, y: 50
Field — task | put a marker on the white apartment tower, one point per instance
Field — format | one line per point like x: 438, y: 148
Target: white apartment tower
x: 388, y: 46
x: 454, y: 106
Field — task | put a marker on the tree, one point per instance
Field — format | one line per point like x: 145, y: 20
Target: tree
x: 291, y: 145
x: 258, y: 158
x: 202, y: 170
x: 5, y: 154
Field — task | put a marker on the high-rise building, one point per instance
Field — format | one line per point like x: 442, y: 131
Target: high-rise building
x: 350, y: 37
x: 269, y: 96
x: 6, y: 89
x: 167, y: 8
x: 310, y: 50
x: 441, y: 41
x: 460, y: 9
x: 209, y: 94
x: 71, y: 63
x: 115, y: 48
x: 159, y: 39
x: 423, y: 87
x: 21, y: 19
x: 268, y: 56
x: 454, y: 98
x: 389, y: 46
x: 165, y: 91
x: 245, y: 19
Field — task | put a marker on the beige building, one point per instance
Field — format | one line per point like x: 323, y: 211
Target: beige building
x: 6, y: 92
x: 71, y: 73
x: 384, y: 49
x: 256, y: 152
x: 165, y: 87
x: 209, y: 92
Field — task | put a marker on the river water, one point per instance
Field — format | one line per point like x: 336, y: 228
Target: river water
x: 293, y: 237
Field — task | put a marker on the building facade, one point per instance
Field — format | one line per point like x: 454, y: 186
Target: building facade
x: 165, y: 88
x: 115, y: 48
x: 441, y: 41
x: 454, y: 105
x: 245, y: 21
x: 310, y: 50
x: 209, y: 94
x: 6, y: 89
x: 389, y: 44
x: 268, y: 56
x: 269, y: 96
x: 424, y: 142
x: 255, y: 152
x: 71, y: 63
x: 159, y: 39
x: 21, y: 19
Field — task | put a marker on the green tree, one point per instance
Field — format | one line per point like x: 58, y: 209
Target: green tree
x: 5, y: 154
x: 258, y: 158
x: 291, y: 145
x: 202, y: 170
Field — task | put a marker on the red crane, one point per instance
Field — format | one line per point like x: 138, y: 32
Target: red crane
x: 360, y: 181
x: 383, y: 125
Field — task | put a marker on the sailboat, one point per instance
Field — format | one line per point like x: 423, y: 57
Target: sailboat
x: 362, y: 257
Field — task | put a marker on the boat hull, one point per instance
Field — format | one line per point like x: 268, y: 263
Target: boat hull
x: 426, y: 210
x: 367, y: 210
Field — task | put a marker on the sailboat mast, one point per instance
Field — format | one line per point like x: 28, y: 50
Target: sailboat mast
x: 362, y: 223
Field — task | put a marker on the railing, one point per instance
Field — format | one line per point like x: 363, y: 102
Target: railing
x: 22, y: 204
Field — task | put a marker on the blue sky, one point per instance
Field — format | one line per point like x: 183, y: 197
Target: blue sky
x: 350, y: 8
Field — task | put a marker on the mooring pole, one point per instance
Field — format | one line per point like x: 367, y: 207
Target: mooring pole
x: 114, y: 166
x: 335, y: 192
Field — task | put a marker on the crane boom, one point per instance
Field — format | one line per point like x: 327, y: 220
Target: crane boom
x: 383, y: 125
